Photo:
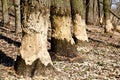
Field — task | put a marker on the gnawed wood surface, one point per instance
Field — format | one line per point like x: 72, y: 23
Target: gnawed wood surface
x: 62, y: 28
x: 80, y: 28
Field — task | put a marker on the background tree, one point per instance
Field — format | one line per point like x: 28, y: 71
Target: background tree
x: 108, y: 24
x: 62, y: 42
x: 95, y: 12
x: 17, y: 16
x: 78, y: 16
x: 34, y: 59
x: 118, y: 8
x: 5, y: 11
x: 89, y: 12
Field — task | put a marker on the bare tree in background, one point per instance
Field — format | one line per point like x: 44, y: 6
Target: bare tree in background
x: 5, y: 13
x: 108, y: 24
x: 17, y: 16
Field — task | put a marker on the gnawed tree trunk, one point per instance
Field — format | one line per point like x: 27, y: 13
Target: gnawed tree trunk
x: 79, y: 26
x: 108, y: 24
x: 34, y: 59
x: 101, y: 13
x: 62, y: 42
x: 5, y: 11
x: 17, y: 16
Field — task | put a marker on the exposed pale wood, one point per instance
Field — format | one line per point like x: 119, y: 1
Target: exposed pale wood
x: 78, y: 18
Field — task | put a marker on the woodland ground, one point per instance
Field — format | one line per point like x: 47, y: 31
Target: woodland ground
x: 102, y: 53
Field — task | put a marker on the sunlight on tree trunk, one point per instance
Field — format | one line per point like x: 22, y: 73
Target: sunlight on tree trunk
x: 89, y: 12
x: 34, y: 41
x: 80, y: 29
x: 108, y: 24
x: 62, y: 42
x: 79, y: 26
x: 34, y: 59
x: 62, y: 28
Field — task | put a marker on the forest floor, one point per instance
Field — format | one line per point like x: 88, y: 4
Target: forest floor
x: 102, y: 52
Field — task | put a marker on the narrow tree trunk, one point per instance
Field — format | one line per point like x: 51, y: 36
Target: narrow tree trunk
x: 5, y: 11
x: 79, y: 26
x: 62, y: 42
x: 101, y: 13
x: 95, y: 12
x: 17, y: 16
x: 34, y: 59
x: 108, y: 24
x: 89, y: 12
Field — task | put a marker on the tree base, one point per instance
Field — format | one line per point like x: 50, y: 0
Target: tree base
x: 64, y: 50
x: 79, y: 31
x: 36, y: 69
x: 109, y: 27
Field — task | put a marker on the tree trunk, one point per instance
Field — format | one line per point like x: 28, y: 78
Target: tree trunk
x: 79, y: 26
x: 5, y: 11
x: 62, y: 42
x: 89, y: 12
x: 95, y: 13
x: 108, y: 24
x: 101, y: 13
x: 34, y: 59
x: 17, y: 16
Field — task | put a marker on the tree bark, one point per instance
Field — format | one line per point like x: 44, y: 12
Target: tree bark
x: 89, y: 12
x: 34, y: 59
x: 95, y: 12
x: 79, y: 26
x: 62, y: 42
x: 5, y: 11
x: 108, y: 24
x: 101, y: 19
x: 17, y: 16
x: 99, y: 13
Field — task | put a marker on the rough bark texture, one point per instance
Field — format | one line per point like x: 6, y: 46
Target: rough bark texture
x: 99, y: 14
x: 95, y: 12
x: 62, y: 41
x: 34, y: 56
x: 36, y: 69
x: 17, y: 16
x: 108, y: 24
x: 79, y: 26
x: 89, y: 12
x: 5, y: 11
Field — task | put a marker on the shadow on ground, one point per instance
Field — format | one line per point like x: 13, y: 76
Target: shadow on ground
x: 10, y: 41
x: 6, y: 60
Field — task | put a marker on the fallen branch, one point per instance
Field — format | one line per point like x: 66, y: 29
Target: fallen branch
x: 104, y: 42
